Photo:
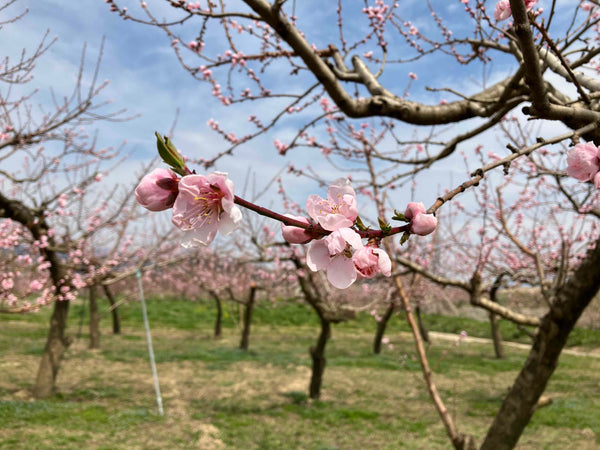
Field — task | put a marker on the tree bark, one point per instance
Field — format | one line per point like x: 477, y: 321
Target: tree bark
x: 56, y: 344
x: 566, y: 308
x: 245, y: 342
x: 496, y: 336
x: 317, y: 353
x: 94, y: 319
x: 116, y: 321
x: 219, y: 318
x: 381, y: 326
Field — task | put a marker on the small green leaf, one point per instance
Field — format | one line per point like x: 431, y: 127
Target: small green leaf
x: 174, y: 152
x: 384, y: 225
x: 359, y: 224
x: 404, y: 237
x: 169, y: 154
x: 399, y: 216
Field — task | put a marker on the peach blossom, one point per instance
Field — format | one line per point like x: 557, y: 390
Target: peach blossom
x: 338, y: 210
x: 205, y: 205
x: 582, y: 161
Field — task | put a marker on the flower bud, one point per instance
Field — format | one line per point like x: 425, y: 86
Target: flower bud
x: 413, y: 209
x: 158, y: 190
x: 369, y: 261
x: 423, y: 224
x: 296, y: 235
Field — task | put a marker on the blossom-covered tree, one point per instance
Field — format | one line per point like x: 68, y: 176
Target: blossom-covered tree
x: 50, y: 163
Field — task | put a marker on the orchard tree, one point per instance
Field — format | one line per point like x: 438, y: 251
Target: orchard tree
x: 346, y: 63
x: 48, y: 159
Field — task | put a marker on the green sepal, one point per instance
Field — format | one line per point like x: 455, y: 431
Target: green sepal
x: 169, y: 154
x: 404, y: 237
x: 385, y: 227
x: 399, y: 216
x: 359, y: 224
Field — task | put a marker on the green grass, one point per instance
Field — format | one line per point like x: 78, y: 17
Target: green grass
x: 215, y: 393
x: 188, y: 315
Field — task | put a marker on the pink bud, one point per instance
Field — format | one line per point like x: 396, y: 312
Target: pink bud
x: 158, y: 190
x: 502, y: 10
x: 370, y: 261
x: 296, y: 235
x: 413, y: 209
x: 423, y: 224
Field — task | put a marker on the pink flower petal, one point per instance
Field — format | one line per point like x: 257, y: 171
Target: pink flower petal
x: 317, y: 257
x: 341, y: 272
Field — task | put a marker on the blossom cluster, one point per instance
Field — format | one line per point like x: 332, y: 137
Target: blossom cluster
x: 503, y: 11
x: 342, y: 254
x: 203, y: 205
x: 583, y: 163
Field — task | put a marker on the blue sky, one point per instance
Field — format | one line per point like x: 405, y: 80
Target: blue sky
x: 146, y: 78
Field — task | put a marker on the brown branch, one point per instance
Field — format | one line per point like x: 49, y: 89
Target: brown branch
x: 531, y: 60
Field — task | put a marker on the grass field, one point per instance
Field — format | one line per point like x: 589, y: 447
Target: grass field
x: 216, y: 396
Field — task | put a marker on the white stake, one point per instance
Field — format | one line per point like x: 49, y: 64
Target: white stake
x: 149, y: 340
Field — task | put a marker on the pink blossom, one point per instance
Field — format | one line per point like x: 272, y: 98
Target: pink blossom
x: 587, y: 6
x: 7, y: 283
x: 597, y: 180
x: 369, y: 261
x: 412, y: 75
x: 296, y: 235
x: 157, y: 190
x: 582, y: 161
x: 338, y: 210
x: 334, y: 255
x: 205, y: 205
x: 503, y: 11
x: 280, y: 146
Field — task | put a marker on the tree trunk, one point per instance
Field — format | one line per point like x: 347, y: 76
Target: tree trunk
x: 518, y: 406
x: 317, y: 352
x: 116, y: 321
x: 496, y: 336
x: 381, y: 326
x: 219, y: 318
x: 94, y: 319
x: 245, y: 342
x: 56, y: 344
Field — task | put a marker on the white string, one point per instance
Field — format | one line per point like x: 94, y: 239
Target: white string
x: 138, y: 275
